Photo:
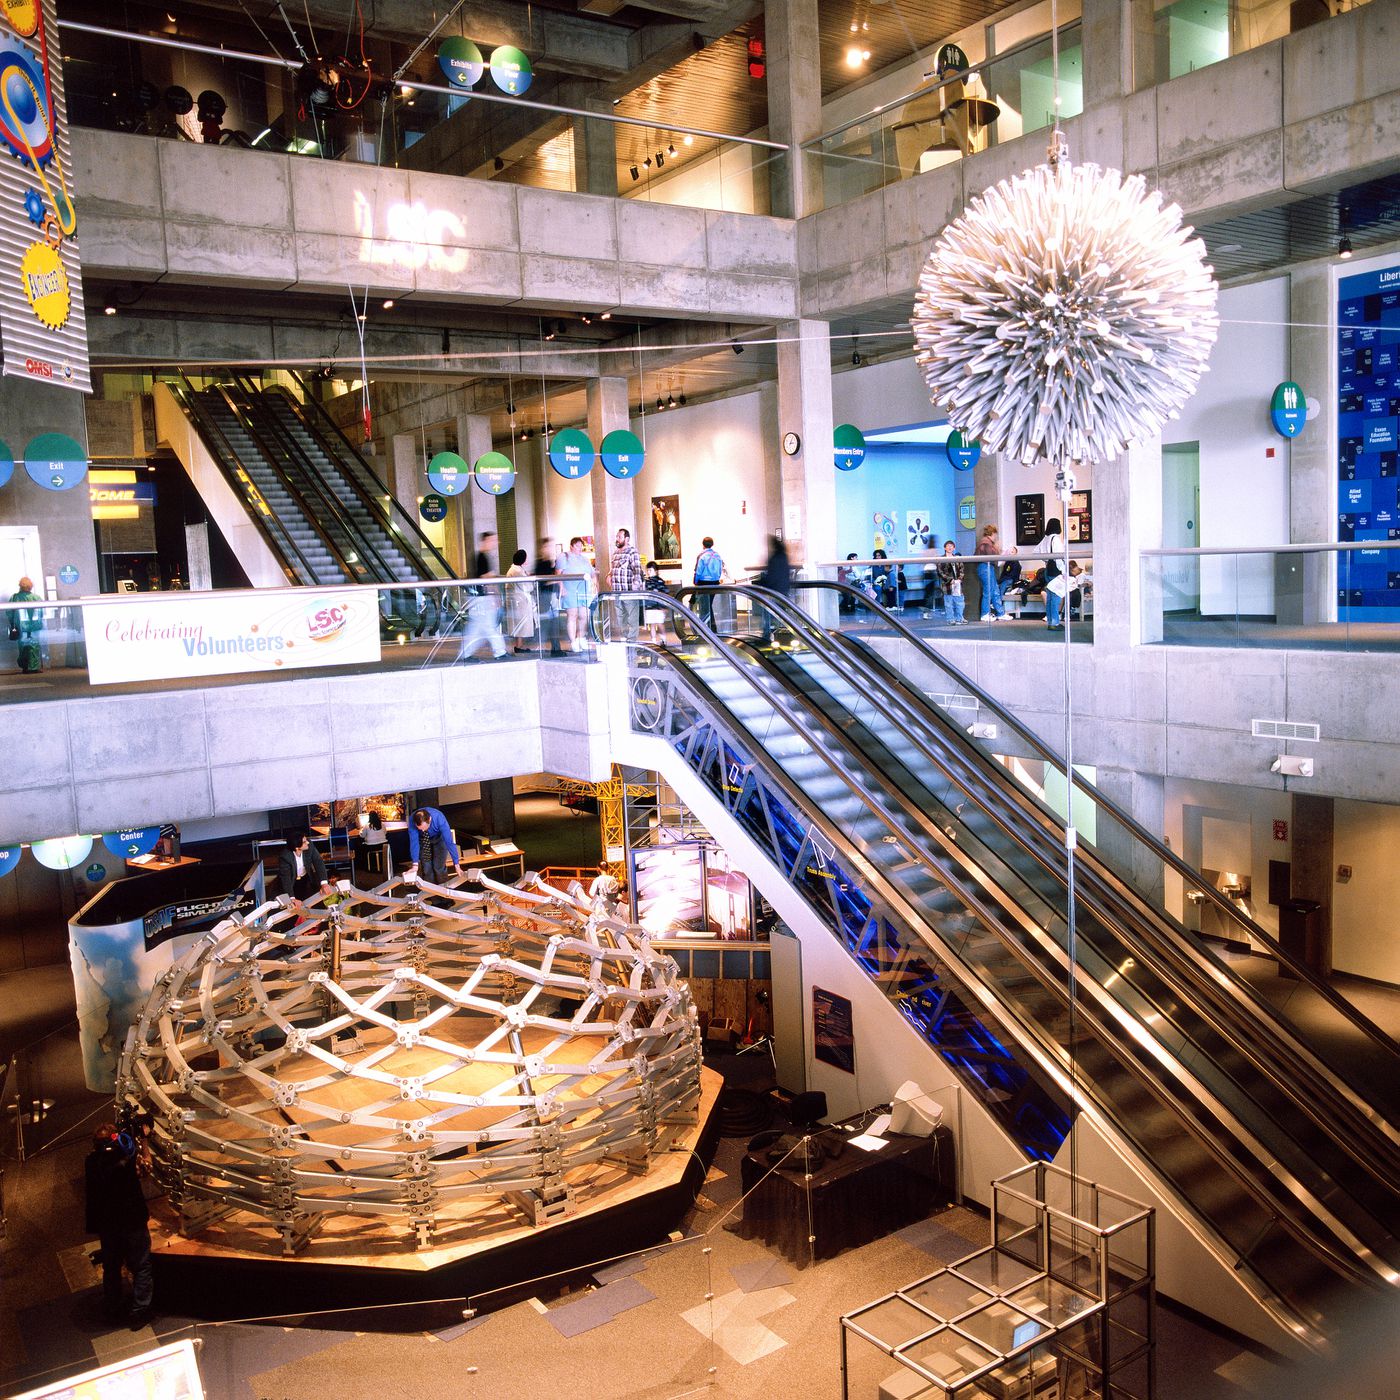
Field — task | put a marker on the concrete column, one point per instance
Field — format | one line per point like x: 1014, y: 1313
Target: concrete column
x: 498, y: 807
x: 1312, y: 455
x: 614, y: 500
x: 1143, y: 795
x: 1311, y: 877
x: 475, y: 510
x: 794, y: 100
x: 1127, y: 520
x: 1107, y: 27
x: 405, y: 470
x: 808, y: 518
x: 595, y: 153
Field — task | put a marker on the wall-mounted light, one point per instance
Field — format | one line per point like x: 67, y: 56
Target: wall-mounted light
x: 109, y: 310
x: 606, y: 316
x: 1344, y: 247
x: 388, y: 303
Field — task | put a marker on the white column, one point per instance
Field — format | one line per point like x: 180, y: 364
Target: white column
x: 1127, y: 520
x: 476, y: 509
x: 406, y: 471
x: 614, y: 499
x: 1312, y: 455
x: 808, y: 518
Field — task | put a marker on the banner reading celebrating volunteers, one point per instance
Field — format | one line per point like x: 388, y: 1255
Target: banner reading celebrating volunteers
x: 43, y: 328
x: 214, y: 636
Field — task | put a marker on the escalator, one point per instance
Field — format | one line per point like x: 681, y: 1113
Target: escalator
x: 945, y: 877
x: 317, y: 507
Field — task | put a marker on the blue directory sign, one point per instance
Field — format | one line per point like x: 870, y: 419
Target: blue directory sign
x: 622, y: 453
x: 9, y: 858
x: 1368, y: 444
x: 69, y: 574
x: 511, y: 70
x: 460, y: 61
x: 494, y: 473
x: 1288, y: 409
x: 448, y: 474
x: 132, y: 841
x: 95, y: 872
x: 963, y: 453
x: 433, y: 507
x: 850, y: 447
x: 571, y: 453
x: 7, y: 463
x: 55, y: 462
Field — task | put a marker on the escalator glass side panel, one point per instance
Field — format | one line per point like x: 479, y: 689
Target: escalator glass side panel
x: 1034, y: 1114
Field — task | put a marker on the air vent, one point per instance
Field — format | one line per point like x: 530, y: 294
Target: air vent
x: 1285, y: 729
x: 953, y: 702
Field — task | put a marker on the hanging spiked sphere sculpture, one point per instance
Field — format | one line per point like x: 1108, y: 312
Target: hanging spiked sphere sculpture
x: 1067, y: 313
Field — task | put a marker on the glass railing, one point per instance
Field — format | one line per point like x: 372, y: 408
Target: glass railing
x: 1312, y: 597
x: 1192, y: 34
x: 417, y: 125
x: 1006, y: 597
x: 959, y: 115
x: 140, y: 641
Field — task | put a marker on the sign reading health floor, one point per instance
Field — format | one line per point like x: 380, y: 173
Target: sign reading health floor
x: 571, y: 453
x: 208, y: 635
x: 448, y: 474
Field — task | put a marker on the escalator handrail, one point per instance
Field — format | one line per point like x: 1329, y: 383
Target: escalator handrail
x: 325, y: 430
x: 1301, y: 1076
x: 1163, y: 853
x: 222, y: 452
x: 257, y: 422
x: 875, y: 877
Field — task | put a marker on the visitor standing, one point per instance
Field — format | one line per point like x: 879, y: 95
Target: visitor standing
x: 432, y: 853
x: 579, y: 576
x: 992, y: 609
x: 116, y: 1213
x: 521, y: 615
x: 1053, y: 544
x: 625, y: 576
x: 25, y: 626
x: 709, y: 571
x: 950, y: 573
x: 546, y: 571
x: 776, y: 577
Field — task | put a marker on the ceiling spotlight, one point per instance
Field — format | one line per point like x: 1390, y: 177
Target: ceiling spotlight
x: 586, y: 319
x: 736, y: 347
x: 856, y: 56
x: 660, y: 160
x: 660, y: 407
x: 682, y: 398
x: 510, y: 408
x: 388, y: 303
x: 361, y: 317
x: 1344, y: 247
x: 688, y: 140
x: 636, y: 174
x: 670, y: 401
x: 109, y: 310
x: 405, y: 90
x: 647, y: 162
x: 498, y: 164
x: 671, y: 148
x: 525, y: 436
x: 606, y: 316
x: 857, y: 358
x: 550, y: 333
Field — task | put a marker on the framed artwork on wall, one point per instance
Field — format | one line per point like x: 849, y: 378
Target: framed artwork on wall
x: 666, y: 531
x: 1079, y: 521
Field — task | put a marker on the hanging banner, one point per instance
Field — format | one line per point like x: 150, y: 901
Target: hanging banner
x: 571, y: 453
x: 209, y: 635
x: 461, y: 62
x: 511, y: 70
x: 622, y: 453
x: 448, y: 474
x: 54, y: 461
x: 1288, y: 409
x: 962, y: 453
x: 43, y: 326
x: 850, y: 447
x: 494, y: 473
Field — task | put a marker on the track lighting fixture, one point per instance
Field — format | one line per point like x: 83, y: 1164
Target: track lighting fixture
x: 671, y: 148
x: 636, y: 174
x: 498, y: 164
x: 857, y: 358
x: 660, y: 407
x: 660, y: 160
x: 586, y: 319
x: 647, y: 162
x: 1344, y: 247
x: 687, y: 140
x: 736, y: 347
x: 550, y: 333
x: 682, y: 399
x: 606, y: 316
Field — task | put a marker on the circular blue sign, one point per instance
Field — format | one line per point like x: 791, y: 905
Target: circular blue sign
x: 448, y: 474
x: 511, y: 70
x: 55, y: 462
x: 69, y: 574
x: 622, y: 453
x: 571, y: 453
x: 133, y: 841
x: 460, y: 61
x: 964, y: 455
x: 63, y: 852
x: 433, y: 507
x: 1288, y: 409
x: 7, y: 463
x: 494, y: 472
x: 850, y: 447
x: 96, y: 872
x: 9, y: 858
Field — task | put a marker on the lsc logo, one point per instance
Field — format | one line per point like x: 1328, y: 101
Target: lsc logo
x: 326, y: 622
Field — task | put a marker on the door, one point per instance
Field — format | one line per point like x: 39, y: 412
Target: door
x: 1181, y: 501
x: 19, y: 557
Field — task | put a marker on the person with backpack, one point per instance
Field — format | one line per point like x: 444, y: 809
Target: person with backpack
x: 26, y: 625
x: 1052, y: 545
x: 709, y: 571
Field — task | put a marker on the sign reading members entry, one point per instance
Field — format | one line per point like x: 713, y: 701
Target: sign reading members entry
x: 833, y: 1030
x: 849, y: 447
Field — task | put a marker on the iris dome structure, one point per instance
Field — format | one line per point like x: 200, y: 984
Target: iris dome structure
x: 425, y: 1062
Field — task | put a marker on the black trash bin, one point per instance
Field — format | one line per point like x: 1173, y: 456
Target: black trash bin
x: 1300, y: 933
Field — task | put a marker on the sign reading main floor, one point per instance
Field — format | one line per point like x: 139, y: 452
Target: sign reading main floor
x: 169, y: 638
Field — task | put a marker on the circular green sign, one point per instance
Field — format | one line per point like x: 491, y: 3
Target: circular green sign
x: 433, y: 507
x: 571, y: 453
x: 850, y: 447
x: 55, y: 462
x: 622, y: 453
x: 461, y: 62
x: 963, y: 452
x: 449, y: 474
x: 510, y: 70
x: 494, y: 473
x: 7, y: 463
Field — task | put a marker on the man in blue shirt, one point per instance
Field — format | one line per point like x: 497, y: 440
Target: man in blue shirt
x: 432, y: 853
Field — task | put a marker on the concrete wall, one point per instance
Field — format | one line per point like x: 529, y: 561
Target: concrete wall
x: 96, y: 765
x: 1366, y: 905
x: 225, y: 217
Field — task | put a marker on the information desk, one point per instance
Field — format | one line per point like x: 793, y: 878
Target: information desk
x: 849, y: 1200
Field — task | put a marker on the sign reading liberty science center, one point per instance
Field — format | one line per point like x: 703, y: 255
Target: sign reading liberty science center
x: 172, y: 637
x: 1368, y: 442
